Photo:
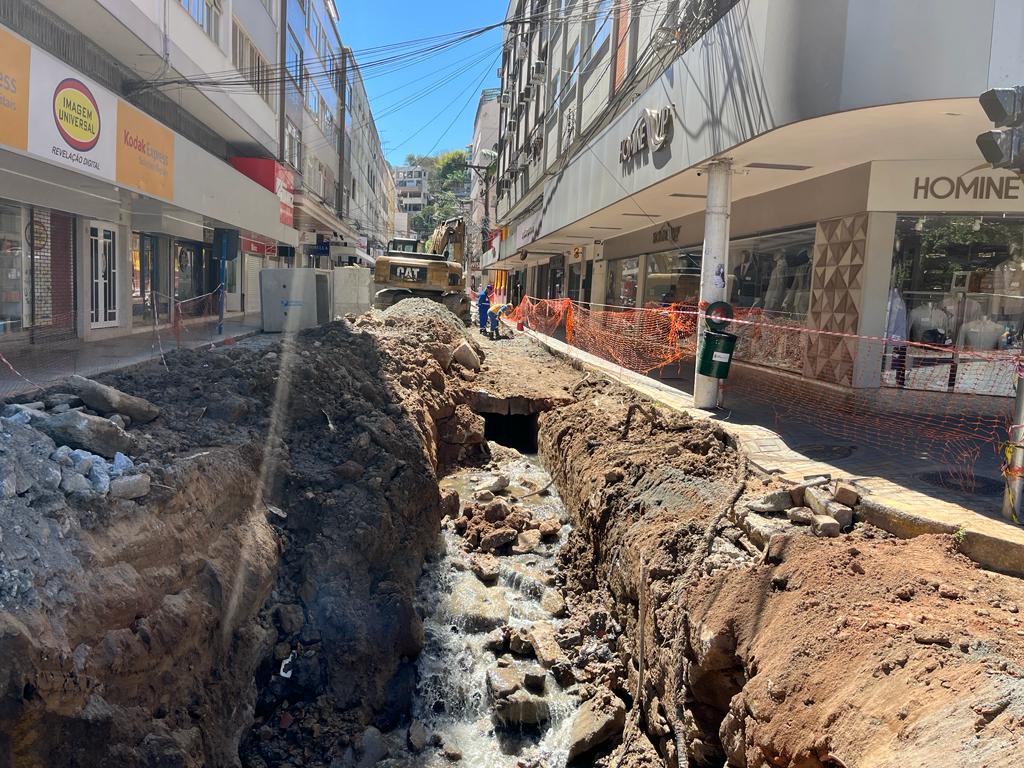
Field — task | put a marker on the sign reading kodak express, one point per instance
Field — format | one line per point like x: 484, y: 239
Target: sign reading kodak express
x: 72, y: 118
x: 14, y: 68
x: 145, y: 153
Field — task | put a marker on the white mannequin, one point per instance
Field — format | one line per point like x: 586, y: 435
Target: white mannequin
x: 980, y: 334
x: 1009, y: 284
x: 776, y: 283
x: 925, y: 318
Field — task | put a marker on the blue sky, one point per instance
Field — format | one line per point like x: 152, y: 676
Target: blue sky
x: 442, y: 85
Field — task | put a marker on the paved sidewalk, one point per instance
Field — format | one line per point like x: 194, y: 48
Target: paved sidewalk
x: 889, y: 504
x: 45, y: 364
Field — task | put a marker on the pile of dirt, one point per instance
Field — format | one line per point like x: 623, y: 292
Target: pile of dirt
x: 269, y: 574
x: 857, y: 650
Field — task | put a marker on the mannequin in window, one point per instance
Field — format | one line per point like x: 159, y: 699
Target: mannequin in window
x: 776, y: 290
x: 798, y: 296
x: 980, y: 334
x: 748, y: 281
x: 1008, y: 279
x: 928, y: 324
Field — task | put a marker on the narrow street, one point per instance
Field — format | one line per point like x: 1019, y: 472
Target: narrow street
x: 534, y: 384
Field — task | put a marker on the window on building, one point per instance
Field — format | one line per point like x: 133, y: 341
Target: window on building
x: 271, y: 6
x: 772, y: 272
x: 250, y: 62
x: 312, y: 98
x: 323, y: 112
x: 622, y: 282
x: 206, y: 14
x: 293, y: 57
x: 572, y: 63
x: 12, y: 269
x: 600, y: 24
x: 673, y: 277
x: 292, y: 145
x: 315, y: 30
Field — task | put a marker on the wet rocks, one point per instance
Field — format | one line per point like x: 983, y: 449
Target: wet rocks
x: 526, y: 542
x: 475, y: 606
x: 109, y: 401
x: 503, y: 682
x: 522, y: 708
x: 374, y: 748
x: 598, y: 721
x: 544, y: 643
x: 485, y: 567
x: 417, y: 736
x: 553, y: 603
x: 497, y: 538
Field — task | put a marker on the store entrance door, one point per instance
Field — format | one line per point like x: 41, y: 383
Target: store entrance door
x: 103, y: 263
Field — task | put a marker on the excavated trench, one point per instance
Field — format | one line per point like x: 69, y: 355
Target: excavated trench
x: 334, y: 571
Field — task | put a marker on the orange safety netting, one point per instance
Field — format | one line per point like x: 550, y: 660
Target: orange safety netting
x: 908, y: 402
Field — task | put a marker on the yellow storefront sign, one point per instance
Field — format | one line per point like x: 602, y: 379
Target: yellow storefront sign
x: 145, y: 153
x: 14, y: 68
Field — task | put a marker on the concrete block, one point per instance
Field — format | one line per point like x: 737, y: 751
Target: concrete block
x: 800, y: 515
x: 817, y: 499
x: 847, y: 494
x: 825, y: 526
x: 842, y: 514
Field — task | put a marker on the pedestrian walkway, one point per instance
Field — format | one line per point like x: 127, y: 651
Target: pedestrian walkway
x: 32, y: 367
x: 890, y: 501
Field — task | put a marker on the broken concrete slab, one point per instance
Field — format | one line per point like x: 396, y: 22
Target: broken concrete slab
x: 776, y: 501
x: 108, y: 401
x: 825, y: 526
x: 91, y: 433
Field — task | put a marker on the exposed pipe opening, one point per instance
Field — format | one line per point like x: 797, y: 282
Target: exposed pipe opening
x: 518, y: 431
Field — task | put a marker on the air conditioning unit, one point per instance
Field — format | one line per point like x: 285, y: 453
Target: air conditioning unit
x: 504, y: 185
x: 538, y: 143
x: 527, y: 92
x: 540, y: 69
x: 511, y: 125
x: 500, y: 72
x: 505, y: 99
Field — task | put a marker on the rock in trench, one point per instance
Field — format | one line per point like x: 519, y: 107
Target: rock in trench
x: 108, y: 401
x: 130, y: 486
x: 476, y: 607
x: 466, y: 356
x: 599, y: 720
x: 90, y: 433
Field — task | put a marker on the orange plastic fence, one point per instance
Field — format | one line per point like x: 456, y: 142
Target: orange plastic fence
x: 913, y: 401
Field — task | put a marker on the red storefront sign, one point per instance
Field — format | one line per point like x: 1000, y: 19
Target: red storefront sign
x: 273, y: 176
x: 259, y: 248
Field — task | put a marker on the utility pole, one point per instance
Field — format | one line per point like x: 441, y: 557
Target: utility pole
x: 1004, y: 148
x: 712, y: 270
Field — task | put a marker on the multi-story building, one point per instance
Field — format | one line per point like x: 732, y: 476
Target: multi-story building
x: 310, y: 96
x: 856, y: 190
x: 482, y: 196
x: 367, y: 186
x: 118, y: 193
x: 143, y: 141
x: 412, y: 188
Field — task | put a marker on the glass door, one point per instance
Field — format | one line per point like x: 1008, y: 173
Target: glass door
x: 103, y: 261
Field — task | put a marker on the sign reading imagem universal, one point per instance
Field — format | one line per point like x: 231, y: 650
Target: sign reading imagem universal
x: 72, y: 118
x: 653, y: 129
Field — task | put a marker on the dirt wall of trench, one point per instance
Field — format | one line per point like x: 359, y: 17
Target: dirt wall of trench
x: 862, y: 650
x: 294, y: 495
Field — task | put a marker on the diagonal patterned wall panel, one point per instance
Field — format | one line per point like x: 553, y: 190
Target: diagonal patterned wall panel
x: 840, y: 246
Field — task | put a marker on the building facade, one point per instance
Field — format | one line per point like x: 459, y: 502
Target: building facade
x: 412, y: 188
x: 367, y: 185
x: 153, y: 152
x: 115, y: 198
x: 860, y: 205
x: 483, y: 192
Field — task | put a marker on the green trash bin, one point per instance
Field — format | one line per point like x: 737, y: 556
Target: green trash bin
x: 716, y: 354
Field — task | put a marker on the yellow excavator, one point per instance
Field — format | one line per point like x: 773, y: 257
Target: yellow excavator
x: 432, y: 271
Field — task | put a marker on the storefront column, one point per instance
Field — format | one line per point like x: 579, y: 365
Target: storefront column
x: 712, y: 271
x: 874, y: 301
x: 599, y: 280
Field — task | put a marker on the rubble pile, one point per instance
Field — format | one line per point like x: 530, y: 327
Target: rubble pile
x: 265, y: 575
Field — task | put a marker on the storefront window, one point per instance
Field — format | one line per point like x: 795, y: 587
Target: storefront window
x: 622, y: 279
x: 673, y: 277
x: 12, y: 269
x: 575, y: 278
x: 958, y: 281
x: 772, y: 273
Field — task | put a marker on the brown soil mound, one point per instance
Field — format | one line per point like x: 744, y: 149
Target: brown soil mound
x: 856, y: 651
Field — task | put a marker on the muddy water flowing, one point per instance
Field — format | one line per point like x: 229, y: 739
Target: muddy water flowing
x: 453, y: 700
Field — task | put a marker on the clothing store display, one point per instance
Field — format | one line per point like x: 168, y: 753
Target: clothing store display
x: 1008, y: 286
x: 926, y: 319
x: 951, y: 306
x: 777, y: 280
x: 798, y: 298
x: 981, y: 334
x: 896, y: 326
x: 748, y: 281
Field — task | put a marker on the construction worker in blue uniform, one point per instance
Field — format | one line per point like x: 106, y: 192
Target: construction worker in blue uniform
x: 494, y: 314
x: 483, y: 303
